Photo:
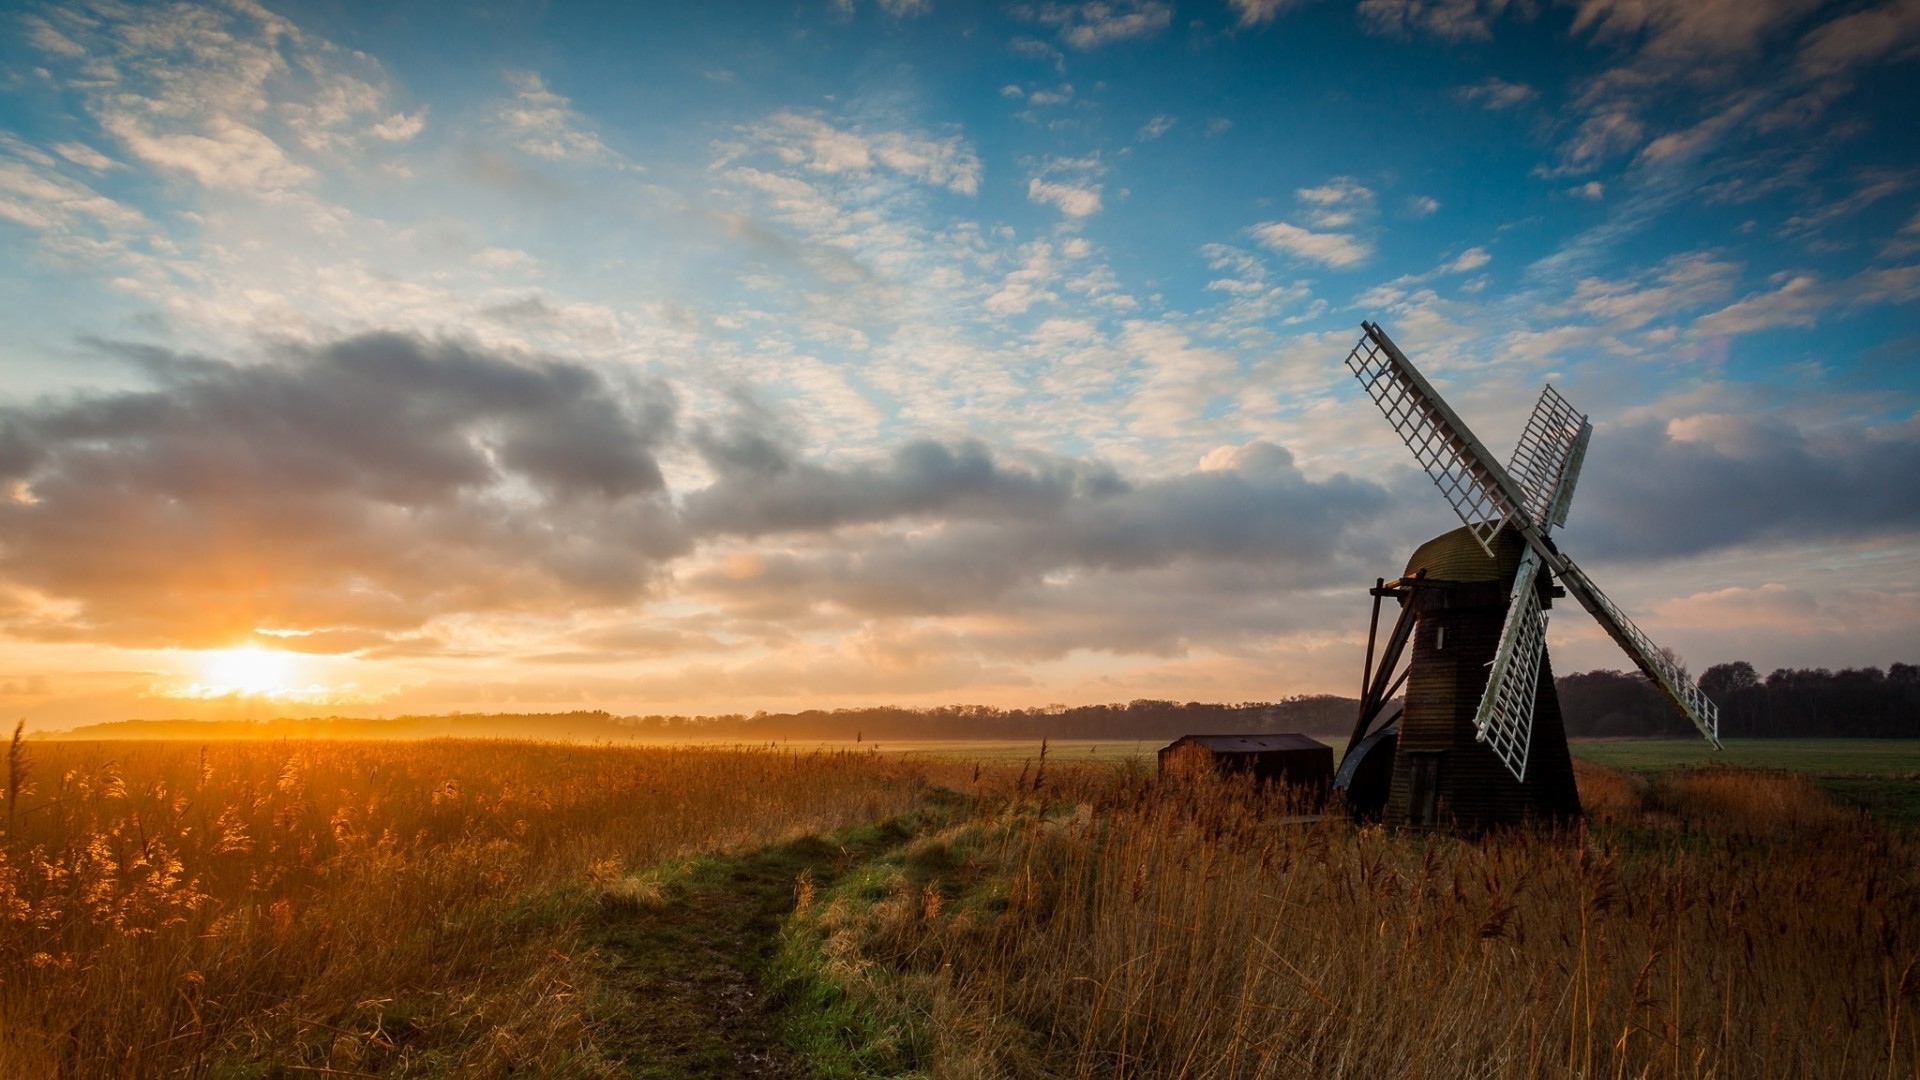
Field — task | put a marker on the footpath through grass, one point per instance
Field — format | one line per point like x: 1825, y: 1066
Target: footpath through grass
x: 699, y: 981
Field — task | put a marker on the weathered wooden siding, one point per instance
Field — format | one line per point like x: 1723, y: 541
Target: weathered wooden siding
x: 1473, y: 788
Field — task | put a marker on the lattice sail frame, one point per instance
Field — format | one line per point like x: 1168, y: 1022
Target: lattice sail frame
x: 1546, y: 461
x: 1439, y: 441
x: 1504, y: 720
x: 1546, y: 465
x: 1668, y: 677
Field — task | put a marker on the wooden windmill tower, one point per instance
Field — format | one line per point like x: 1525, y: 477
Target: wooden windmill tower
x: 1479, y: 742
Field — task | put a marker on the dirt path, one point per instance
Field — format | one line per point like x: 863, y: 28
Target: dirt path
x: 690, y: 969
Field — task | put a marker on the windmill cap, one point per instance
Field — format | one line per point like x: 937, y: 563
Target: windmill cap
x: 1457, y: 556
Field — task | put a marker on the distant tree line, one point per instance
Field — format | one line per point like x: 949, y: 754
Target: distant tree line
x: 1142, y: 719
x: 1789, y: 703
x: 1815, y: 702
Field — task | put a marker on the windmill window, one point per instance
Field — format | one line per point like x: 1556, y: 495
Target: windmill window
x: 1440, y: 638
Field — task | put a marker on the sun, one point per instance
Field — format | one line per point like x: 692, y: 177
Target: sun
x: 248, y: 671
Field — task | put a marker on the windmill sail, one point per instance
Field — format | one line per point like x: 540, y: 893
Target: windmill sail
x: 1470, y: 478
x: 1546, y: 461
x: 1546, y: 464
x: 1658, y: 664
x: 1533, y: 497
x: 1505, y: 719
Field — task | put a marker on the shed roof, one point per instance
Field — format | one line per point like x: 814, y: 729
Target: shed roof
x: 1251, y: 744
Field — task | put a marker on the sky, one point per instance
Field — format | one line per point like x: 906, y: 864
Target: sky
x: 383, y: 358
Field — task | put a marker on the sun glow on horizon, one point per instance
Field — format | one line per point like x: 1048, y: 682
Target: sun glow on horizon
x: 251, y: 671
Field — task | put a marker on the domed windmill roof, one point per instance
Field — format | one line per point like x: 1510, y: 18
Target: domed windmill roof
x: 1459, y: 556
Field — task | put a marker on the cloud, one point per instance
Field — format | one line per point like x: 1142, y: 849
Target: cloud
x: 372, y: 484
x: 1679, y: 284
x: 1003, y: 531
x: 1600, y: 136
x: 1092, y: 25
x: 41, y: 199
x: 224, y: 154
x: 1707, y: 31
x: 227, y: 95
x: 1724, y: 57
x: 1798, y: 301
x: 1027, y: 284
x: 1155, y: 128
x: 1256, y: 12
x: 1338, y: 250
x: 1452, y: 20
x: 85, y: 156
x: 1871, y: 189
x: 1711, y: 481
x: 1861, y: 37
x: 1496, y: 94
x: 812, y: 143
x: 1471, y: 259
x: 762, y: 489
x: 544, y: 124
x: 400, y: 127
x: 1071, y: 200
x: 377, y: 493
x: 1422, y: 206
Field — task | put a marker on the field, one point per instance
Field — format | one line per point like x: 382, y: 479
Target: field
x: 1881, y: 776
x: 489, y: 909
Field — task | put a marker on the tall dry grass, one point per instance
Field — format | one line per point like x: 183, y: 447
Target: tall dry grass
x: 1727, y: 924
x: 166, y: 908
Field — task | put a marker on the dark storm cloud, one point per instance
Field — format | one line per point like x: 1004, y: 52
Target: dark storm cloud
x: 355, y: 492
x: 1009, y: 528
x: 1727, y: 481
x: 368, y: 484
x: 762, y: 488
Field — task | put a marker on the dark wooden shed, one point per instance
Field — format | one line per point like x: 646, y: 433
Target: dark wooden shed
x: 1289, y: 758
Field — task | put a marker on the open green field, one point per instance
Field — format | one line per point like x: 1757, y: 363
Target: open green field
x: 1897, y: 758
x: 1881, y: 776
x: 1885, y: 758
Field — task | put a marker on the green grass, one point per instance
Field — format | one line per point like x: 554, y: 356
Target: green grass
x: 1880, y: 776
x: 1892, y: 758
x: 704, y: 976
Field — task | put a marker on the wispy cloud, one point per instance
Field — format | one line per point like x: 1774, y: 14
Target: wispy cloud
x: 1071, y: 200
x: 818, y: 146
x: 1496, y: 93
x: 1452, y: 20
x: 544, y: 124
x: 1340, y: 203
x: 1256, y: 12
x: 230, y: 97
x: 1338, y: 250
x: 1099, y: 22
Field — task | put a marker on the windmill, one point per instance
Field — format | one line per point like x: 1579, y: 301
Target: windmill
x: 1478, y: 740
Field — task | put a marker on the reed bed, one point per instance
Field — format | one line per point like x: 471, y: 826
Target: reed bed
x: 407, y: 908
x: 1716, y: 924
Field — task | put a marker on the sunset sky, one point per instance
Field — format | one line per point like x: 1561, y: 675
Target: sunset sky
x: 378, y: 358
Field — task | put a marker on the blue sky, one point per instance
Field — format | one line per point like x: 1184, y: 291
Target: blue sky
x: 761, y: 356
